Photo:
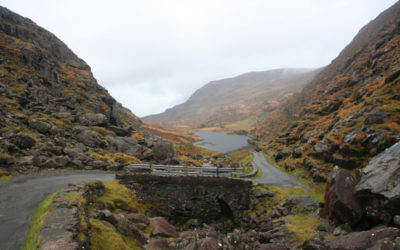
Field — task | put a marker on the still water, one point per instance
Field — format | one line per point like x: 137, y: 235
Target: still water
x: 221, y: 142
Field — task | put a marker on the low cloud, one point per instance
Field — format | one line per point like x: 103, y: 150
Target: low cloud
x: 154, y: 54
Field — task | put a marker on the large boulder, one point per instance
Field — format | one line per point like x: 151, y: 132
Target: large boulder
x: 126, y: 131
x: 87, y: 137
x: 365, y: 239
x: 162, y: 227
x: 379, y: 188
x: 131, y: 230
x: 340, y: 201
x: 301, y: 203
x: 163, y: 150
x: 127, y: 145
x: 376, y: 116
x: 41, y: 127
x: 23, y: 141
x: 92, y: 119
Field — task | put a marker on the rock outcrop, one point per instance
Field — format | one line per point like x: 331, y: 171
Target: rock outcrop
x: 379, y: 188
x: 53, y: 109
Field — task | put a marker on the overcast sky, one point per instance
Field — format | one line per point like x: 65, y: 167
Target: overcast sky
x: 153, y: 54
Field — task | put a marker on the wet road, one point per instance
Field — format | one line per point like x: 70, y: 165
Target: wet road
x: 20, y: 197
x: 271, y: 175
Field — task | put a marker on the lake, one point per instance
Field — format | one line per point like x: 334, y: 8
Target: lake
x: 221, y: 142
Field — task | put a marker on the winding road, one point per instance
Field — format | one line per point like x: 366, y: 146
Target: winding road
x: 20, y: 197
x: 271, y: 175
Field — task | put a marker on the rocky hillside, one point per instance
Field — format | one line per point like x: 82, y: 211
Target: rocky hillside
x: 350, y: 111
x: 235, y: 99
x: 54, y: 114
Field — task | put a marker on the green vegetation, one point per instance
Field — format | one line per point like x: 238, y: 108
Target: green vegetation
x: 32, y: 238
x: 315, y: 190
x: 259, y: 173
x: 104, y: 238
x: 114, y: 191
x: 302, y: 226
x: 240, y: 132
x: 4, y: 177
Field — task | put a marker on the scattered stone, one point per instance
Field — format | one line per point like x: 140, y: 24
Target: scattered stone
x: 137, y: 218
x: 301, y: 203
x: 162, y: 227
x: 121, y: 204
x: 376, y: 116
x: 25, y: 160
x: 121, y: 131
x: 163, y: 150
x: 87, y: 137
x: 98, y: 164
x: 260, y: 193
x: 207, y: 243
x: 314, y: 244
x: 296, y: 153
x: 108, y: 216
x: 23, y: 141
x: 131, y: 230
x: 75, y: 152
x: 92, y: 119
x: 127, y: 145
x: 363, y: 239
x: 41, y: 127
x: 396, y: 220
x: 280, y: 155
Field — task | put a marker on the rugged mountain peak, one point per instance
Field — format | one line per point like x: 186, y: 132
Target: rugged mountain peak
x: 27, y: 31
x: 53, y: 111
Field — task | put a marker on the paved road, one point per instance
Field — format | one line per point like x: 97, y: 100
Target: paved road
x: 271, y: 175
x: 20, y: 197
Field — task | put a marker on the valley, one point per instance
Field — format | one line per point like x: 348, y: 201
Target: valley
x: 319, y: 149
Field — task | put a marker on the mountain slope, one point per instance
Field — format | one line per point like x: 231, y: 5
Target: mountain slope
x: 234, y: 99
x: 350, y: 111
x: 53, y: 113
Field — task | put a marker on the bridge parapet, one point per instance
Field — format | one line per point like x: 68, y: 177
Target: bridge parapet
x: 180, y: 198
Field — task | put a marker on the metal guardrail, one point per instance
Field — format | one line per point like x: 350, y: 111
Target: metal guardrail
x: 193, y: 171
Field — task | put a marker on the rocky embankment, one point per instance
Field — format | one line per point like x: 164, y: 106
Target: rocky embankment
x: 350, y: 111
x: 54, y: 114
x: 365, y: 211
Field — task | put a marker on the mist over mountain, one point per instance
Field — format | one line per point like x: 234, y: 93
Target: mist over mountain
x: 249, y: 96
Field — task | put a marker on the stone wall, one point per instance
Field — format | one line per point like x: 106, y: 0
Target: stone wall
x: 180, y: 198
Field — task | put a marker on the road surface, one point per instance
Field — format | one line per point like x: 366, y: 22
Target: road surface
x: 271, y: 175
x: 20, y: 197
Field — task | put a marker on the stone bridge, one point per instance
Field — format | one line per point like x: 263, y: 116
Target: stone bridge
x: 180, y: 198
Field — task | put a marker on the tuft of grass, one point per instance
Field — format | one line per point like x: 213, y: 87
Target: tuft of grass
x: 4, y: 177
x: 302, y: 226
x: 71, y: 196
x: 259, y: 173
x: 32, y: 237
x: 104, y: 238
x: 114, y: 190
